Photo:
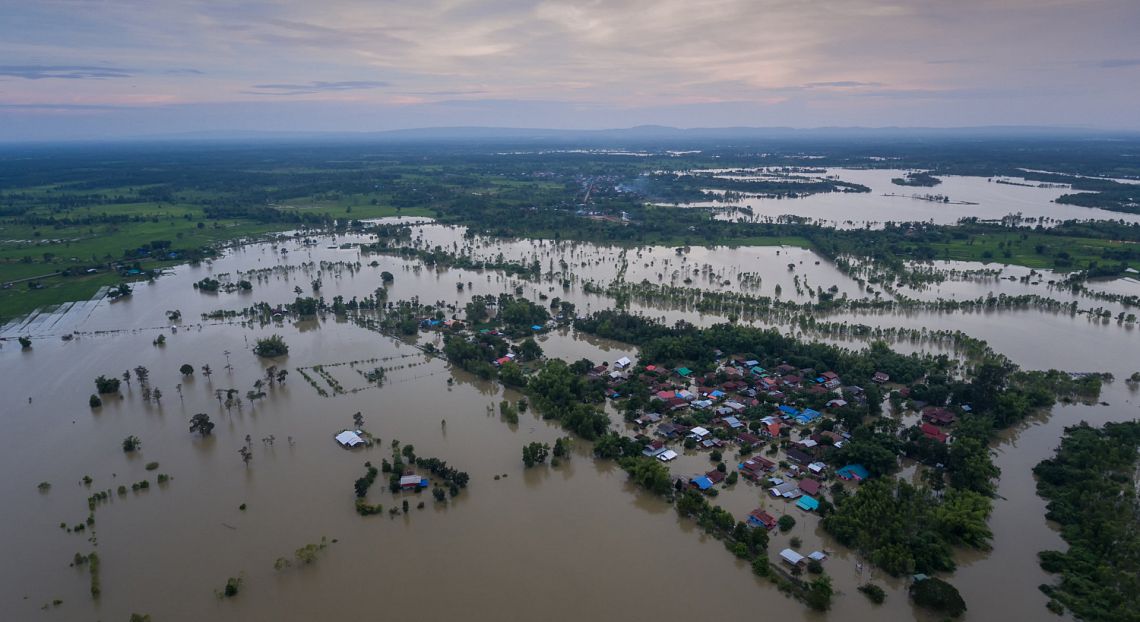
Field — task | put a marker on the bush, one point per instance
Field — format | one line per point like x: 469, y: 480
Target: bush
x: 873, y: 592
x: 786, y: 523
x: 105, y: 385
x: 938, y: 595
x: 131, y: 443
x: 94, y: 401
x: 814, y: 567
x: 271, y: 346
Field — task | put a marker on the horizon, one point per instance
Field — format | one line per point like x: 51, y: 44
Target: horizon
x: 353, y: 66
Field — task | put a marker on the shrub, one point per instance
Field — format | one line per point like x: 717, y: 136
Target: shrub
x: 938, y: 595
x: 271, y: 346
x: 786, y: 523
x: 94, y: 401
x: 873, y: 592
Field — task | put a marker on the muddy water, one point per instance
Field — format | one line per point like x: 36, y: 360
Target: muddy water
x: 986, y: 200
x: 566, y: 542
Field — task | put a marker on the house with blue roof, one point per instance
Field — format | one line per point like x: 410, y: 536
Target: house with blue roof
x: 856, y: 472
x: 702, y: 482
x: 807, y: 503
x: 789, y: 411
x: 807, y: 416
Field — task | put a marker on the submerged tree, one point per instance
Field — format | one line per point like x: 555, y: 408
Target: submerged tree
x: 201, y: 424
x: 131, y: 443
x: 271, y: 346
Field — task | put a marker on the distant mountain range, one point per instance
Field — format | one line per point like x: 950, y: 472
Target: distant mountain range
x: 645, y: 134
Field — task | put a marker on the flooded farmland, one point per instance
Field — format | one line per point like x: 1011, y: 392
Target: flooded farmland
x: 564, y: 542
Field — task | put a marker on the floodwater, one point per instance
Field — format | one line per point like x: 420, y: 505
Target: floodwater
x: 970, y: 197
x: 561, y: 543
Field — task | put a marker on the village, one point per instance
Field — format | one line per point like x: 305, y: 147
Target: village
x: 778, y: 427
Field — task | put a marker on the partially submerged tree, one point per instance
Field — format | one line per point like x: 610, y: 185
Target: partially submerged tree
x: 131, y: 443
x: 271, y: 346
x: 201, y: 424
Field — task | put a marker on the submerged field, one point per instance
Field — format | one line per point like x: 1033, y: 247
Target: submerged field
x: 575, y: 539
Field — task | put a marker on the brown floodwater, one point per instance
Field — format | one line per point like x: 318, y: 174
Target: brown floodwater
x: 561, y: 543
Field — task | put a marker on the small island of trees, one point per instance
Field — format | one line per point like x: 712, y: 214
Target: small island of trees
x: 271, y: 346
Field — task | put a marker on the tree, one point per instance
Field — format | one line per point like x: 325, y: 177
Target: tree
x: 934, y: 593
x: 105, y: 385
x: 535, y: 453
x: 529, y: 350
x: 131, y: 443
x: 271, y: 346
x: 25, y: 342
x: 187, y: 369
x: 786, y: 522
x: 819, y: 593
x: 387, y: 277
x: 94, y: 401
x: 201, y: 424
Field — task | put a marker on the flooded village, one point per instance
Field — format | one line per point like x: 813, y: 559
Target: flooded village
x: 748, y: 434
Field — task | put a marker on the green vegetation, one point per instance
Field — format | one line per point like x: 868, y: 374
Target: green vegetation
x: 131, y: 443
x: 935, y: 594
x: 270, y: 347
x: 535, y: 453
x: 232, y: 587
x: 1091, y: 489
x: 873, y: 592
x: 917, y: 178
x: 105, y: 385
x: 201, y: 424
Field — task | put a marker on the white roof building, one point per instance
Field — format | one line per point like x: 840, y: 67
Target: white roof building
x: 623, y: 362
x: 791, y: 557
x: 348, y: 438
x: 667, y: 455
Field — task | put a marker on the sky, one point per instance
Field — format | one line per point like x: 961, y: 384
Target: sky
x: 84, y: 69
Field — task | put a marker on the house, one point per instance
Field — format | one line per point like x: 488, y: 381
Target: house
x: 799, y: 456
x: 817, y: 467
x: 648, y: 418
x: 733, y: 423
x: 809, y: 486
x: 818, y: 556
x: 667, y: 455
x: 698, y: 433
x: 855, y: 472
x: 934, y: 433
x: 349, y: 439
x: 808, y: 503
x: 499, y: 362
x: 837, y: 403
x: 830, y: 379
x: 684, y: 372
x: 772, y: 430
x: 411, y: 481
x: 788, y: 411
x: 755, y: 467
x: 880, y: 378
x: 701, y: 483
x: 760, y: 518
x: 715, y: 476
x: 654, y: 449
x: 938, y: 415
x: 807, y: 416
x: 623, y: 362
x: 747, y: 438
x: 787, y: 490
x: 791, y: 557
x: 668, y: 429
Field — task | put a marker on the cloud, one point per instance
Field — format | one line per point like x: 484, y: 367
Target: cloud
x: 1118, y: 63
x: 317, y: 87
x: 841, y: 84
x: 184, y: 72
x: 66, y: 72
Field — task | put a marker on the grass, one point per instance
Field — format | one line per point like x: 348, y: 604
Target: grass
x: 1022, y: 249
x: 30, y: 251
